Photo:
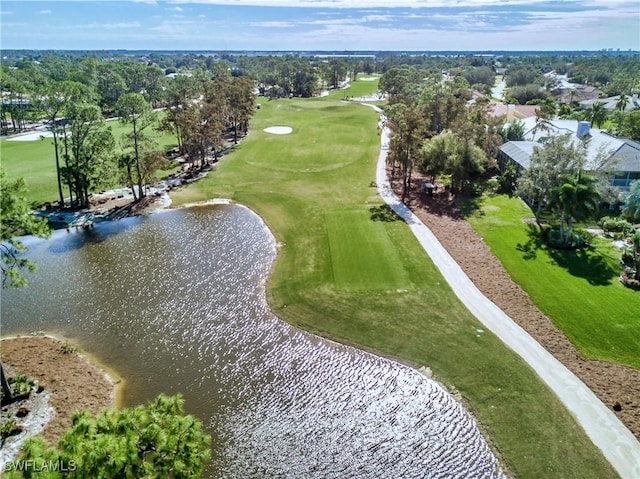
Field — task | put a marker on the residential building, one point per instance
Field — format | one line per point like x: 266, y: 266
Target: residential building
x: 622, y: 154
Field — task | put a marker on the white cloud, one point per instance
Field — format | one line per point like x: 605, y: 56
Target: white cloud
x: 114, y: 26
x: 272, y: 24
x: 4, y: 12
x: 371, y: 3
x: 45, y: 12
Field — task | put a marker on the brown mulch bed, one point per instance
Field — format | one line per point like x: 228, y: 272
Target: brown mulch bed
x: 616, y: 385
x: 74, y: 382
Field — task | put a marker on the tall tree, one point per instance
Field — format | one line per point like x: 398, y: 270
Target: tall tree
x: 408, y: 129
x: 622, y: 102
x: 15, y: 220
x: 87, y: 144
x: 241, y: 104
x: 395, y: 81
x: 559, y: 156
x: 133, y: 109
x: 453, y: 154
x: 182, y: 91
x: 52, y: 102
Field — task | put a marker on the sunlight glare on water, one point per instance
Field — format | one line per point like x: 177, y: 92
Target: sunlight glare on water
x: 175, y: 302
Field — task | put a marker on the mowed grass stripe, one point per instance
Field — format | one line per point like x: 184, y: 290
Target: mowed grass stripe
x: 363, y: 256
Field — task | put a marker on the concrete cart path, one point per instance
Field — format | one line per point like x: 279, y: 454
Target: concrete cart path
x: 606, y: 431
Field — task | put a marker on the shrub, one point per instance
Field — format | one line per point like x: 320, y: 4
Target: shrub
x: 552, y: 237
x: 615, y: 225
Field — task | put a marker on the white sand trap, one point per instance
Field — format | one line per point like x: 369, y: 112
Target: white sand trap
x: 279, y: 130
x: 36, y: 135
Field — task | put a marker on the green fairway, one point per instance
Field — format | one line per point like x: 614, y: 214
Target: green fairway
x: 35, y: 161
x: 347, y: 277
x: 355, y: 246
x: 579, y: 290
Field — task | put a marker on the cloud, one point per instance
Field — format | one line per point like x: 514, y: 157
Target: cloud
x: 377, y: 3
x: 273, y: 24
x: 5, y: 12
x: 114, y: 26
x: 45, y: 12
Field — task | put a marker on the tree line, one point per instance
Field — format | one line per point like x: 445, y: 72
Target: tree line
x: 201, y: 109
x: 438, y: 132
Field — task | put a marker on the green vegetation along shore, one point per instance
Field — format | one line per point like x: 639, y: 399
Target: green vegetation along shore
x: 578, y: 289
x: 341, y: 274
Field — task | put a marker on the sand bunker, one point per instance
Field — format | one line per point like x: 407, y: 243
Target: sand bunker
x: 31, y: 136
x: 279, y: 130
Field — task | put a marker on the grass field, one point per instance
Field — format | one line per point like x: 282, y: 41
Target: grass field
x: 578, y: 290
x: 35, y: 161
x: 366, y: 283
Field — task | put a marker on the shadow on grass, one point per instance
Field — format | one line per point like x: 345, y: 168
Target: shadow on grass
x: 534, y: 243
x: 384, y: 213
x: 587, y: 262
x: 468, y: 206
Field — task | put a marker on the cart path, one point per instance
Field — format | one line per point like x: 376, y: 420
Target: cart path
x: 607, y: 432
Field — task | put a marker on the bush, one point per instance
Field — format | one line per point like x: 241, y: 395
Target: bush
x: 552, y: 237
x: 615, y: 225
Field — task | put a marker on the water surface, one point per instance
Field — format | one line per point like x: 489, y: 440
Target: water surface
x: 175, y: 302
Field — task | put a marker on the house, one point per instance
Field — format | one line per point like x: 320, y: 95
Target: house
x: 622, y: 153
x: 578, y: 94
x: 511, y: 112
x: 612, y: 103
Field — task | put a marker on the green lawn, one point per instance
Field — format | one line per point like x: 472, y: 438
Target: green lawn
x: 369, y: 283
x: 355, y: 262
x: 578, y: 290
x: 35, y: 161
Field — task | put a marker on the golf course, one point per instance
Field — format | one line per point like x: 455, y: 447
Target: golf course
x: 348, y: 270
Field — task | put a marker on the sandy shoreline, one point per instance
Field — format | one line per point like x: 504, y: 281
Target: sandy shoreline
x: 75, y: 381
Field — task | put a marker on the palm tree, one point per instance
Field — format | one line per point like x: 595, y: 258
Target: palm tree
x: 576, y: 198
x: 597, y: 114
x: 621, y: 103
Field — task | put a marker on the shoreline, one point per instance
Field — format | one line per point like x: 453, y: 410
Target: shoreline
x: 75, y: 380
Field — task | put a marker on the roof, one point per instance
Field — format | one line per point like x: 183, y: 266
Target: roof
x: 520, y: 151
x: 599, y: 141
x: 627, y: 158
x: 611, y: 103
x: 623, y: 153
x: 497, y: 109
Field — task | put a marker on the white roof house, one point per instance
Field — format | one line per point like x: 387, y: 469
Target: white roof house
x: 624, y: 154
x: 611, y: 103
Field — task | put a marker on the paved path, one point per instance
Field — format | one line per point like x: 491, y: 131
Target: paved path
x: 606, y: 431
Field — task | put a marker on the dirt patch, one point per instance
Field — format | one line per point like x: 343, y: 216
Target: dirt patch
x: 616, y: 385
x: 74, y: 382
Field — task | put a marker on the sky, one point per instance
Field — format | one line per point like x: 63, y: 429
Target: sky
x: 298, y: 25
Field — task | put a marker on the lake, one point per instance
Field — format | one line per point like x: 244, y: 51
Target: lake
x: 175, y: 302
